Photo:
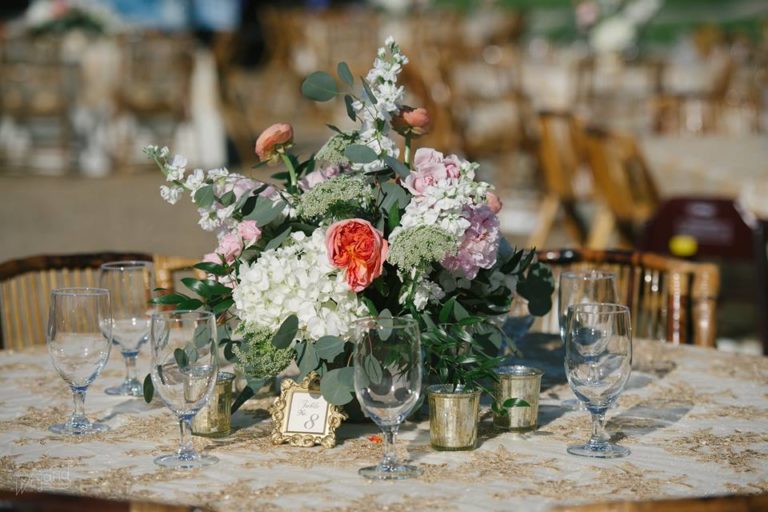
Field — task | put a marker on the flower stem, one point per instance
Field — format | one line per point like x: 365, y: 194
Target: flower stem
x: 407, y: 156
x: 291, y: 171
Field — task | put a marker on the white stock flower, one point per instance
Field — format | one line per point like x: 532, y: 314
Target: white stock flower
x: 217, y: 173
x: 171, y: 194
x: 297, y: 278
x: 195, y: 180
x: 176, y: 169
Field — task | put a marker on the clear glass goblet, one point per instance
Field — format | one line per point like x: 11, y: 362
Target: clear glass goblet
x: 184, y: 370
x: 130, y: 284
x: 388, y: 372
x: 79, y: 340
x: 598, y: 361
x: 583, y: 287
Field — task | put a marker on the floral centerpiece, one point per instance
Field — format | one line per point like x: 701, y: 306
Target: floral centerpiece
x: 359, y: 228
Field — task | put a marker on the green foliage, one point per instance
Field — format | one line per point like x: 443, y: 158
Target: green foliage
x: 337, y: 385
x: 360, y: 154
x: 319, y: 86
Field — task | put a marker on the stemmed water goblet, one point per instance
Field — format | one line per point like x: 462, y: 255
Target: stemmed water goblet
x: 581, y: 287
x: 184, y: 370
x: 79, y: 339
x: 130, y: 284
x: 388, y: 373
x: 598, y: 360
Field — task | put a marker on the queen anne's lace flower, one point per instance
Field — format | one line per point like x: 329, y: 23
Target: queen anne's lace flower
x: 296, y: 279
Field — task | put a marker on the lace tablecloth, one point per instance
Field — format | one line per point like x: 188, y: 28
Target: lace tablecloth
x: 696, y: 422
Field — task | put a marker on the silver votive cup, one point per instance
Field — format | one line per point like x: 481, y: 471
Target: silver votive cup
x: 215, y: 419
x: 524, y: 383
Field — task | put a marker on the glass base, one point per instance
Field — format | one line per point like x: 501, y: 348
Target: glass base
x: 390, y: 472
x: 133, y: 388
x: 80, y: 429
x: 605, y: 451
x: 185, y: 461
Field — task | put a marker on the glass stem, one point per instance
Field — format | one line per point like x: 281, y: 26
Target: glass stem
x: 390, y: 454
x: 186, y: 449
x: 78, y: 397
x: 130, y: 366
x: 599, y: 436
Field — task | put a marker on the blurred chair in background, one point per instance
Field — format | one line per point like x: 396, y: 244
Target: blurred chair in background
x: 670, y: 299
x: 717, y: 230
x: 624, y: 188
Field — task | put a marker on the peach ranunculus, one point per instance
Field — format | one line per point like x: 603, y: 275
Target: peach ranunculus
x: 412, y: 121
x: 358, y: 247
x: 273, y: 140
x: 429, y: 168
x: 494, y: 203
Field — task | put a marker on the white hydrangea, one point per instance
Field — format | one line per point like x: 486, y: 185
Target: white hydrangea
x: 442, y: 204
x: 297, y: 278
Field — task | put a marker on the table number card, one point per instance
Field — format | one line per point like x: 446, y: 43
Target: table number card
x: 302, y: 417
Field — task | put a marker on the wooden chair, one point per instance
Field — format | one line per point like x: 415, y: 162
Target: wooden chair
x: 669, y: 298
x: 708, y: 504
x: 560, y: 153
x: 26, y: 284
x: 627, y: 193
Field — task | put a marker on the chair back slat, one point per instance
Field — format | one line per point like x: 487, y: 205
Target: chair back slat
x: 670, y: 299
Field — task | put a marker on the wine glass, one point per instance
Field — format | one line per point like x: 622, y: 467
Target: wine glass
x: 581, y: 287
x: 79, y: 340
x: 184, y: 370
x: 598, y: 360
x: 130, y: 284
x: 388, y: 369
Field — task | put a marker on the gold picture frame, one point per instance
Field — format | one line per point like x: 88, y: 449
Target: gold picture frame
x: 302, y: 417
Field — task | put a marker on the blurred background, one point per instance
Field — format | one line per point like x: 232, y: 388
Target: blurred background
x: 603, y: 123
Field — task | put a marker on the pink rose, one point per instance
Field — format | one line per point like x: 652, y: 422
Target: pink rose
x: 249, y: 231
x: 479, y: 245
x: 430, y: 167
x: 272, y: 140
x: 494, y: 203
x: 358, y: 247
x: 230, y: 247
x: 412, y: 121
x: 212, y: 257
x: 318, y: 176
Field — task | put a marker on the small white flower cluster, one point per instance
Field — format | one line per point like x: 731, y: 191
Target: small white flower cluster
x: 296, y: 278
x: 442, y: 203
x: 375, y: 113
x: 419, y: 290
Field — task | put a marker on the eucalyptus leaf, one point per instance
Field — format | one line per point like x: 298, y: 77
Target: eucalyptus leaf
x: 309, y: 360
x: 373, y: 369
x: 345, y: 74
x: 278, y: 240
x: 350, y: 109
x: 182, y: 360
x: 204, y: 197
x: 386, y: 323
x: 360, y: 154
x: 319, y: 86
x: 228, y: 199
x: 337, y: 386
x: 265, y: 211
x: 286, y: 333
x: 368, y: 91
x: 149, y: 388
x: 396, y: 165
x: 328, y: 347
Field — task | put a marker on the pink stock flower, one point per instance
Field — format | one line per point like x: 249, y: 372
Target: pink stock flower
x: 318, y: 176
x: 412, y: 121
x: 230, y: 247
x: 479, y: 245
x: 249, y: 231
x: 358, y: 247
x: 430, y: 167
x: 494, y: 203
x: 272, y: 140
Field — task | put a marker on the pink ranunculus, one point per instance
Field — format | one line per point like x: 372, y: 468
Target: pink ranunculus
x: 273, y: 139
x: 494, y: 203
x: 412, y: 121
x: 480, y: 243
x: 359, y: 248
x: 318, y: 176
x: 230, y: 247
x: 430, y: 167
x: 249, y: 231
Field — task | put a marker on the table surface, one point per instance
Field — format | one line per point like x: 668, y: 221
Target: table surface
x: 696, y: 421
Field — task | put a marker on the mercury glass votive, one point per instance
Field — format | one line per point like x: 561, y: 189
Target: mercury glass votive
x: 215, y: 419
x: 523, y: 383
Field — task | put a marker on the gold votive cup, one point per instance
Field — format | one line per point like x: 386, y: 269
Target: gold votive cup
x: 215, y: 419
x: 453, y: 418
x: 523, y: 383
